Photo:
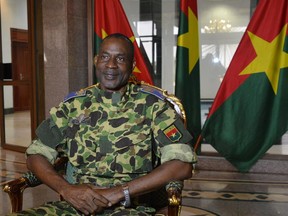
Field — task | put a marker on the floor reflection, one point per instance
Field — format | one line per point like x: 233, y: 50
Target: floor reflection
x: 18, y: 128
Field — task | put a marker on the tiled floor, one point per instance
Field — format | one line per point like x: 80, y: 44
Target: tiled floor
x: 207, y: 193
x: 235, y: 194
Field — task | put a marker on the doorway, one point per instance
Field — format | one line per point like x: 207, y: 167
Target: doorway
x: 21, y: 69
x: 21, y: 72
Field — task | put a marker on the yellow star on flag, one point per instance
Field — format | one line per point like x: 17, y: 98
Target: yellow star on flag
x: 190, y: 39
x: 270, y: 57
x: 132, y: 38
x: 104, y: 33
x: 136, y: 70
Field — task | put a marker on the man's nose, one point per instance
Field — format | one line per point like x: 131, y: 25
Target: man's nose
x: 112, y: 63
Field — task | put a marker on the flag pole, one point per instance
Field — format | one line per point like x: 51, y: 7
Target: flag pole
x: 199, y: 139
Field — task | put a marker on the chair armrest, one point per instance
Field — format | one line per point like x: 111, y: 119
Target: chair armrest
x: 174, y: 191
x: 15, y: 189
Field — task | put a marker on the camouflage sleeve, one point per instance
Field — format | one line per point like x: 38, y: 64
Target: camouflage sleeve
x: 49, y: 133
x: 51, y: 139
x: 37, y: 147
x: 172, y: 136
x: 59, y: 115
x: 178, y: 151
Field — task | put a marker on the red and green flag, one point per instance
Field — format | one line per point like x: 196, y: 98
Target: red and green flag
x: 250, y: 111
x: 110, y: 18
x: 187, y: 87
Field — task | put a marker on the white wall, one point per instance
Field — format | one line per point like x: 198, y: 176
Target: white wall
x: 13, y: 15
x: 169, y: 42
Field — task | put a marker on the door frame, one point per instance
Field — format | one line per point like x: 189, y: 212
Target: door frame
x: 35, y: 46
x: 19, y: 41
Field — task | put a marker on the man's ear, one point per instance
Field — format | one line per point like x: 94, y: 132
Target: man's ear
x: 95, y: 60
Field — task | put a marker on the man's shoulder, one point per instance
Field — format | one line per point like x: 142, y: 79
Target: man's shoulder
x: 152, y: 90
x: 80, y: 93
x: 75, y: 94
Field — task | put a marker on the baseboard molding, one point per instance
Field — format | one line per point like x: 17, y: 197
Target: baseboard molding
x: 8, y: 111
x: 269, y: 164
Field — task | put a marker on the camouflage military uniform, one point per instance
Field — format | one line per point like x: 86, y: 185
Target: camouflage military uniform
x: 112, y: 138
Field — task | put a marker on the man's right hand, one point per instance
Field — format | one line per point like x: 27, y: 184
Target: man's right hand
x: 82, y: 197
x: 85, y: 199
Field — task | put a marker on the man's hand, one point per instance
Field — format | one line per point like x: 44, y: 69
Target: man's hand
x: 85, y: 199
x: 113, y: 194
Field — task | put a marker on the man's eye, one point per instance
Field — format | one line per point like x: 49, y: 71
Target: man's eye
x: 104, y: 57
x: 120, y: 59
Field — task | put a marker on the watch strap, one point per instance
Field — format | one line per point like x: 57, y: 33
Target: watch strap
x: 127, y: 201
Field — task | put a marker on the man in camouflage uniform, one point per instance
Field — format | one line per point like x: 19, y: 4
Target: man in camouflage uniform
x: 122, y: 141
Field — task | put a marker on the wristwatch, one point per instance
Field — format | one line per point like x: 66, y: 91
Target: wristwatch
x: 127, y: 201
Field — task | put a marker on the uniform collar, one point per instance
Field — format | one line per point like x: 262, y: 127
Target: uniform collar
x: 114, y: 98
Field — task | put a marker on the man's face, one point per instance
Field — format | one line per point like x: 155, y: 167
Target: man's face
x: 114, y: 64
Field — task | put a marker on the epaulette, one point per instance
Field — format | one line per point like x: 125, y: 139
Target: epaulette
x: 153, y: 90
x: 80, y: 93
x: 71, y: 95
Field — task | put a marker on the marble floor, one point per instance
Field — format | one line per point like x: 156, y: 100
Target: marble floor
x: 235, y: 194
x: 223, y: 193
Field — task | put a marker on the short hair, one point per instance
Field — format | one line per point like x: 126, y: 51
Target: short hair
x: 124, y: 37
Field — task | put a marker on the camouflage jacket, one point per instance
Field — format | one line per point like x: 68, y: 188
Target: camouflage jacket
x: 111, y: 138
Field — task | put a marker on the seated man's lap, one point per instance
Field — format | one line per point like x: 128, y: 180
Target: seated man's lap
x: 61, y: 208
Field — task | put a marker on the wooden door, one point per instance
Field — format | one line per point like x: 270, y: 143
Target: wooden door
x: 21, y: 69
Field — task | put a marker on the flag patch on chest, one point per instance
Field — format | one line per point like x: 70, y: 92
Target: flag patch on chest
x: 173, y: 133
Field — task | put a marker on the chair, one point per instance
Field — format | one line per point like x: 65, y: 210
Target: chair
x: 16, y: 187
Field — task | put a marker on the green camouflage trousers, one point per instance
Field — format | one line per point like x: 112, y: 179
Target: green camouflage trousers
x: 62, y: 208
